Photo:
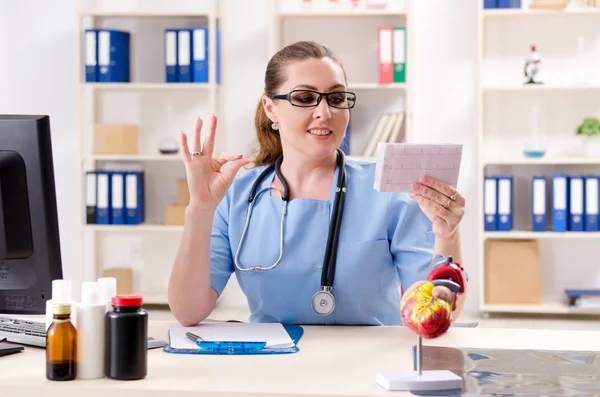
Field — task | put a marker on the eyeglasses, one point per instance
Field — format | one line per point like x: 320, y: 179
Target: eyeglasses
x: 310, y: 99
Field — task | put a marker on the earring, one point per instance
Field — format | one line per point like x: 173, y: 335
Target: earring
x: 275, y: 126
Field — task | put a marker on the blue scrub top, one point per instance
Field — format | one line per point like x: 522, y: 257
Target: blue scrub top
x: 385, y: 243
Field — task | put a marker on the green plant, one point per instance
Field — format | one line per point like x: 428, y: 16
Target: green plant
x: 589, y: 127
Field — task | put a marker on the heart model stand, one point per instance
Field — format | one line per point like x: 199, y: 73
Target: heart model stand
x: 419, y: 380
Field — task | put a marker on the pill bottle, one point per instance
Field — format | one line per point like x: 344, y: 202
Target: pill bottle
x: 126, y: 339
x: 61, y: 345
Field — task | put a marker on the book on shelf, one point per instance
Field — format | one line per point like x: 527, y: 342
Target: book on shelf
x: 390, y: 127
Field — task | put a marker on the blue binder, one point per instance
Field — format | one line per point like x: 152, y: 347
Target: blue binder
x: 505, y: 203
x: 576, y: 203
x: 489, y: 4
x: 118, y: 198
x: 592, y: 195
x: 560, y: 203
x: 184, y: 55
x: 103, y: 202
x: 508, y: 4
x: 490, y: 207
x: 113, y: 56
x: 134, y: 198
x: 295, y: 332
x: 91, y: 55
x: 539, y: 209
x: 200, y: 55
x: 171, y: 55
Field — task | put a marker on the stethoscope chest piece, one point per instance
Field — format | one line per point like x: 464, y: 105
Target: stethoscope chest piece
x: 323, y: 302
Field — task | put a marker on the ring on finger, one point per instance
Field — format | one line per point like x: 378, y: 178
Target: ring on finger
x: 194, y: 154
x: 448, y: 203
x: 453, y: 197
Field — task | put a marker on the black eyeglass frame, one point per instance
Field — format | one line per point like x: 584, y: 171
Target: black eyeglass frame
x: 288, y: 97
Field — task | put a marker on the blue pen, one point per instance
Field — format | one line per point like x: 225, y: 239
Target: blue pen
x: 226, y: 346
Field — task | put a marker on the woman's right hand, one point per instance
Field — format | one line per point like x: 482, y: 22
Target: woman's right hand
x: 207, y: 184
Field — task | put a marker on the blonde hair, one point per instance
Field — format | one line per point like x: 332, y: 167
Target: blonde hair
x: 268, y: 141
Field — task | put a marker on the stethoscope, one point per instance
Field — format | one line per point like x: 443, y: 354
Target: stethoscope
x: 323, y: 301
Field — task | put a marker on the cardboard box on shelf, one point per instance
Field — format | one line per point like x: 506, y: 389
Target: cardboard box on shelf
x: 183, y: 193
x: 547, y: 4
x: 512, y: 274
x: 175, y: 214
x: 116, y: 139
x: 124, y: 278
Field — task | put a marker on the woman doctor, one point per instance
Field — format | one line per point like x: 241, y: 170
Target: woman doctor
x: 386, y: 241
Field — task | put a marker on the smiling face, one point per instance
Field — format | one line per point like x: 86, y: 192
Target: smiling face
x: 311, y: 131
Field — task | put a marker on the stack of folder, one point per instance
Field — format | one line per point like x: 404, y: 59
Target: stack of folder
x: 107, y: 56
x: 186, y: 55
x: 114, y: 197
x: 498, y: 206
x: 392, y: 54
x: 561, y: 203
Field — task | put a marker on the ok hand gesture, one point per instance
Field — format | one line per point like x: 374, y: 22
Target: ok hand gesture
x: 206, y: 182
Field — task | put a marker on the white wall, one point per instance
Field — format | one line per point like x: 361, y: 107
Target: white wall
x: 444, y: 98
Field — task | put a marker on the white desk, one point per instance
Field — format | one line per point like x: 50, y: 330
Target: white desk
x: 332, y: 361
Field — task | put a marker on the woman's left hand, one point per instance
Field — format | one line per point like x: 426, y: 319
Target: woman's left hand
x: 442, y: 204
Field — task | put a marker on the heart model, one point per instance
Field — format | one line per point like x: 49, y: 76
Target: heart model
x: 425, y: 315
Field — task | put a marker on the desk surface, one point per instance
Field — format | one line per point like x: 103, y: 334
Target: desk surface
x: 332, y: 361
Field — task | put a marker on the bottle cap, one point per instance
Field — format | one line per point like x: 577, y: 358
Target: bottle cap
x: 127, y: 300
x: 61, y: 308
x: 108, y: 288
x: 61, y: 291
x: 90, y: 293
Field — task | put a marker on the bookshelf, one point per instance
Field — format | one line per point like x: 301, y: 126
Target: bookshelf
x: 354, y: 25
x: 160, y: 110
x: 569, y: 46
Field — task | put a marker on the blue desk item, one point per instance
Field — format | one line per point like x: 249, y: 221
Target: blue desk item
x: 239, y: 348
x: 226, y: 346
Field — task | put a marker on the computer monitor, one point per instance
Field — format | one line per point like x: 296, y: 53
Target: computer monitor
x: 30, y: 256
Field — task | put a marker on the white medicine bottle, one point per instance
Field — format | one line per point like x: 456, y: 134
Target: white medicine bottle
x: 61, y: 293
x: 108, y: 289
x: 90, y: 332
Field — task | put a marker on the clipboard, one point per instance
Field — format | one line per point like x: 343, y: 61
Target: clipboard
x: 294, y: 331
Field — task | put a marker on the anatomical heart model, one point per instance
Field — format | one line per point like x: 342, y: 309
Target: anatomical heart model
x: 425, y: 315
x: 428, y: 316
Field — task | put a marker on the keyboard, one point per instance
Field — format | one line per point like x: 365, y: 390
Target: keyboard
x: 33, y: 333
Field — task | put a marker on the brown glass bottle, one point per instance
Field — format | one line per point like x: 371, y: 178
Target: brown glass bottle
x: 61, y: 343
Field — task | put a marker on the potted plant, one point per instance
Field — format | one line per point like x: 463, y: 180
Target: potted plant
x: 589, y: 130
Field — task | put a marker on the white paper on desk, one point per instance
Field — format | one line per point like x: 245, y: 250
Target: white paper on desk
x: 400, y: 164
x: 273, y: 334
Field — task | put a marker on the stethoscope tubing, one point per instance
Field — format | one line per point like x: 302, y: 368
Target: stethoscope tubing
x: 329, y: 259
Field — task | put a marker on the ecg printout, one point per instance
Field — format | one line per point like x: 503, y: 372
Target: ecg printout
x: 400, y: 164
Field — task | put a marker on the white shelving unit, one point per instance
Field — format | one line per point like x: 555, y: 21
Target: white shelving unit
x: 343, y: 27
x: 141, y: 102
x: 505, y: 36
